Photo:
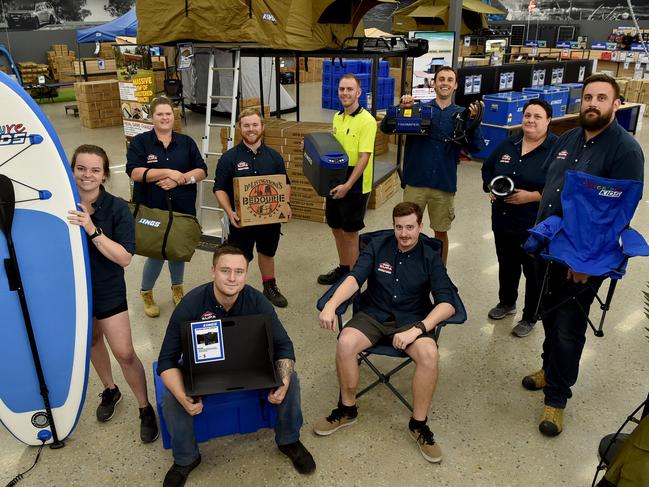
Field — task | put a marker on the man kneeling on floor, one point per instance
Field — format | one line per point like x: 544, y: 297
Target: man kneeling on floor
x: 401, y: 273
x: 227, y: 296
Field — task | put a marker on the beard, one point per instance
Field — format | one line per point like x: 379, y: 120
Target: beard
x: 595, y: 123
x: 251, y: 139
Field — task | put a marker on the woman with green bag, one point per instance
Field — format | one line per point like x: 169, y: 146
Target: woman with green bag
x: 164, y: 166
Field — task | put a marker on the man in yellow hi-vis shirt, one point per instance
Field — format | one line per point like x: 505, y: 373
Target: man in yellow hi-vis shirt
x: 355, y: 129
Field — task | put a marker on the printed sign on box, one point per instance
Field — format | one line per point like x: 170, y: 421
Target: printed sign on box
x: 261, y: 200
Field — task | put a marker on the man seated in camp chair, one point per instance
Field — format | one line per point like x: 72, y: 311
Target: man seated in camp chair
x: 401, y: 273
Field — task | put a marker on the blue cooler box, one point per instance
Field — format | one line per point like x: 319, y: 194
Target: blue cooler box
x: 223, y: 414
x: 325, y: 162
x: 556, y: 96
x: 503, y: 108
x: 574, y: 96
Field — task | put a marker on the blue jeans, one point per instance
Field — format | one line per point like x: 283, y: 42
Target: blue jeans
x: 181, y: 425
x: 152, y: 269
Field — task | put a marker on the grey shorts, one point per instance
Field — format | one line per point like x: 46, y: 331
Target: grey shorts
x: 377, y: 332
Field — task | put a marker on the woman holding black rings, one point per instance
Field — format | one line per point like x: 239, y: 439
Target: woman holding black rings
x: 514, y: 205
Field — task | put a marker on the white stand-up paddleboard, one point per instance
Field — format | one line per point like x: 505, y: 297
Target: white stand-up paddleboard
x: 44, y: 278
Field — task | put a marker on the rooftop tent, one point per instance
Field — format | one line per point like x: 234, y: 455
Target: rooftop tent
x: 433, y: 15
x: 301, y: 25
x: 126, y: 25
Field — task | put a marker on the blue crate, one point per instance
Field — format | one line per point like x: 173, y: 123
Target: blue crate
x: 493, y: 136
x: 352, y: 66
x: 503, y: 108
x: 364, y: 78
x: 365, y: 66
x: 326, y: 67
x: 327, y: 79
x: 223, y: 414
x: 326, y: 103
x: 328, y: 91
x: 556, y: 96
x: 384, y: 68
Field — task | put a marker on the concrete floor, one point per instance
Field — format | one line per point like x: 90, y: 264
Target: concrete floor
x: 485, y: 422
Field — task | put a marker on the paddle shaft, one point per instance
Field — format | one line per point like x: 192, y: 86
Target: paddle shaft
x: 16, y: 284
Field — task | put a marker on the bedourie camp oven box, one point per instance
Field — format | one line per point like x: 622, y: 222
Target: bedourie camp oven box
x: 261, y: 200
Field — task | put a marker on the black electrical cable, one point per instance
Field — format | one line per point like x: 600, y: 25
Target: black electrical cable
x: 20, y: 476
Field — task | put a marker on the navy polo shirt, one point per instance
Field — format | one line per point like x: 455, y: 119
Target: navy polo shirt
x: 113, y: 216
x: 613, y: 153
x: 430, y: 161
x: 399, y: 284
x: 201, y: 304
x: 242, y: 161
x: 182, y: 154
x: 528, y: 173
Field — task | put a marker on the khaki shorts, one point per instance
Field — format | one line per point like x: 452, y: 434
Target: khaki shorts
x: 440, y: 205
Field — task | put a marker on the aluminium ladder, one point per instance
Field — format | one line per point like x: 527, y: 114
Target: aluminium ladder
x: 217, y: 233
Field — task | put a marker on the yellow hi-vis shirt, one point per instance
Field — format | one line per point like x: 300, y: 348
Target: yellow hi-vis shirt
x: 356, y: 133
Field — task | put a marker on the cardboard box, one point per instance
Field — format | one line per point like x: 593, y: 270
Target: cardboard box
x: 260, y: 200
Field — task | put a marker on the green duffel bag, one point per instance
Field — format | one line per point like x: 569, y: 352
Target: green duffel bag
x: 165, y: 234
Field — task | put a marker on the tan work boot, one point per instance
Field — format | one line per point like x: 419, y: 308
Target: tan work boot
x: 177, y: 292
x: 150, y: 308
x: 551, y: 421
x: 535, y: 381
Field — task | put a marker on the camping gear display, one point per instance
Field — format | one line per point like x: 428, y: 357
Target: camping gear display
x: 45, y: 291
x: 325, y: 162
x: 302, y: 25
x: 164, y: 234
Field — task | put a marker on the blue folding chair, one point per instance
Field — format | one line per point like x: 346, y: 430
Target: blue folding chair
x: 380, y: 349
x: 593, y: 235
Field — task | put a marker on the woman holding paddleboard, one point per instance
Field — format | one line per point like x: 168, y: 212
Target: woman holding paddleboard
x: 172, y: 166
x: 110, y: 229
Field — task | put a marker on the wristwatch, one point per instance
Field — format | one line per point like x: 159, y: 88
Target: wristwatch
x: 98, y: 231
x: 421, y: 326
x: 192, y: 180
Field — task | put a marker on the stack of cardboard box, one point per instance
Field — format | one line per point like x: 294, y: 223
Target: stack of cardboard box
x: 106, y: 51
x: 254, y: 102
x: 30, y: 72
x: 99, y: 103
x: 105, y: 69
x: 314, y: 72
x: 383, y: 191
x: 634, y: 90
x: 61, y: 61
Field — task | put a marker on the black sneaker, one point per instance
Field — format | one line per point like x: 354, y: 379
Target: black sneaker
x: 332, y: 276
x: 177, y: 474
x: 300, y: 456
x: 148, y: 425
x: 272, y: 293
x: 109, y: 399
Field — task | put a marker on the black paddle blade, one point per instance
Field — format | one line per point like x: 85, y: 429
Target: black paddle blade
x: 7, y: 204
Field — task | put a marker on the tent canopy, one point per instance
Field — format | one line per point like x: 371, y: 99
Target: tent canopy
x: 300, y: 25
x: 433, y: 15
x: 126, y: 25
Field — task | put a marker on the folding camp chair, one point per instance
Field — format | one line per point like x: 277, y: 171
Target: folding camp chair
x: 593, y: 236
x: 382, y: 349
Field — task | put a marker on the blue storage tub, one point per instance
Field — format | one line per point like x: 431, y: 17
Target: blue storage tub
x: 556, y: 96
x: 384, y: 68
x: 574, y: 96
x: 223, y: 414
x: 503, y: 108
